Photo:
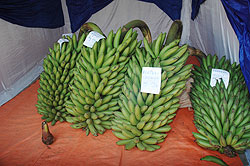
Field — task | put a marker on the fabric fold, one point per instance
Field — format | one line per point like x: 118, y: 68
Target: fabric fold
x: 81, y: 11
x: 238, y: 13
x: 33, y: 13
x: 171, y: 8
x: 196, y: 7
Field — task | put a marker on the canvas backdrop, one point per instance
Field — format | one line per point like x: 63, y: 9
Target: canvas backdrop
x: 23, y: 48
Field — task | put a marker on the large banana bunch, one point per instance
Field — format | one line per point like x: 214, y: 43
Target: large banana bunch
x: 98, y: 78
x: 143, y: 118
x: 221, y: 115
x: 55, y: 79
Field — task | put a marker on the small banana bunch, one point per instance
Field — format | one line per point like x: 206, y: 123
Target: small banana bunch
x: 55, y: 79
x: 98, y: 78
x: 221, y: 115
x: 143, y: 118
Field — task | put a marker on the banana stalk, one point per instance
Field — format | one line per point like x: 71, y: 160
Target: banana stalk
x: 138, y: 24
x: 47, y: 137
x: 90, y: 26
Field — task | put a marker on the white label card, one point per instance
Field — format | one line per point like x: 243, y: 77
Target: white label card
x: 151, y: 80
x: 67, y: 34
x: 61, y: 41
x: 219, y: 74
x: 92, y: 37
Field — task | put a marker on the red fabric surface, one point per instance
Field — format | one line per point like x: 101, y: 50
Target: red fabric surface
x: 21, y: 142
x: 193, y: 60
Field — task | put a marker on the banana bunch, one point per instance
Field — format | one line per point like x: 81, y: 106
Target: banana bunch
x: 55, y: 79
x: 143, y: 118
x: 221, y: 115
x: 98, y: 78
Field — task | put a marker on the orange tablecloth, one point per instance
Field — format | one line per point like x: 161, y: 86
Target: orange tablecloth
x: 20, y: 137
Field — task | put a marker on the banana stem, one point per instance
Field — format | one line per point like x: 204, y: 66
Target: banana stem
x: 45, y: 127
x: 138, y: 24
x: 47, y: 137
x: 90, y: 26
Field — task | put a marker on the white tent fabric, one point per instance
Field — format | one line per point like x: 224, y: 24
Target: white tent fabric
x: 22, y: 49
x: 212, y: 32
x: 22, y: 53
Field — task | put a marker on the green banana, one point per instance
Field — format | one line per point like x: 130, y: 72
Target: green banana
x: 214, y: 159
x: 219, y: 106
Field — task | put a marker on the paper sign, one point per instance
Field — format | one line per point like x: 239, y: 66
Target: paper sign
x: 151, y: 80
x: 218, y: 75
x: 61, y: 41
x: 67, y: 34
x: 92, y: 37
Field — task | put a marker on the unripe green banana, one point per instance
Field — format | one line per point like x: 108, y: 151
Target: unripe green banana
x: 223, y: 110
